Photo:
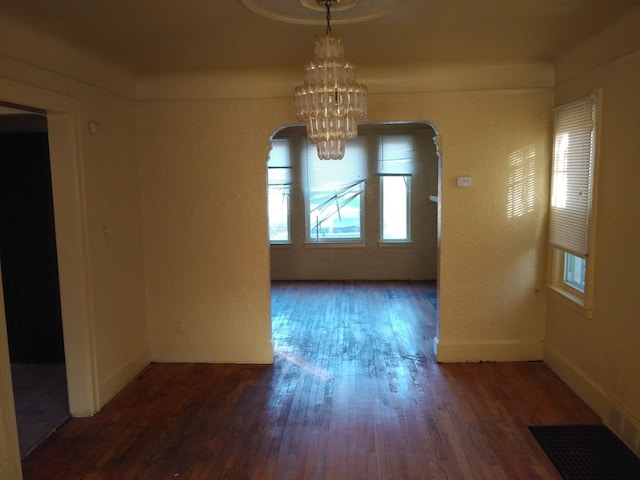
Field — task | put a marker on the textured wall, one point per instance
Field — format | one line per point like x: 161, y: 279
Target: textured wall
x: 205, y: 227
x: 114, y: 233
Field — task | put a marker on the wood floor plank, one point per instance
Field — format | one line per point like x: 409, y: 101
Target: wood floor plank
x: 354, y: 393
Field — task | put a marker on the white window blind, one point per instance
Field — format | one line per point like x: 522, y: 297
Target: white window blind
x: 396, y: 155
x: 332, y: 174
x: 572, y: 180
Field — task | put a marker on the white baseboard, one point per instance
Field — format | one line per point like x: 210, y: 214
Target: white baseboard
x: 488, y: 352
x: 583, y: 386
x: 115, y: 382
x: 613, y: 414
x: 213, y: 352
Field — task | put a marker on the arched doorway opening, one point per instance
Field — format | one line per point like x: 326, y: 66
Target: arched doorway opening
x: 353, y: 231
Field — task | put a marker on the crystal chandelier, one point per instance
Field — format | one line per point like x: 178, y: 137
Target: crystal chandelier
x: 330, y: 100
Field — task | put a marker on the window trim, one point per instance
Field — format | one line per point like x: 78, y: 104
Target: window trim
x: 341, y: 244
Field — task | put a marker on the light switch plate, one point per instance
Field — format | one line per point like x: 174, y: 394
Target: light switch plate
x: 463, y: 181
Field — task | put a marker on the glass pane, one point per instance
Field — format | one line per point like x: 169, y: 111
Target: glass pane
x: 395, y: 200
x: 574, y: 271
x: 278, y: 213
x: 335, y: 214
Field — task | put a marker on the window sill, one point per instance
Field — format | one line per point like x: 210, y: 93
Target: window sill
x: 572, y: 301
x: 280, y: 245
x: 400, y: 244
x: 335, y: 244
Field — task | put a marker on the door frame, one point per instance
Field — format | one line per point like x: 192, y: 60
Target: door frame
x: 71, y: 238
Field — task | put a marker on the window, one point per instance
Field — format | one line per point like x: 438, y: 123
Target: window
x: 394, y: 168
x: 279, y: 191
x: 572, y: 196
x: 334, y: 192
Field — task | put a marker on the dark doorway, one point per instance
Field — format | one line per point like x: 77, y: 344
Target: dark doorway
x: 28, y: 250
x: 30, y: 275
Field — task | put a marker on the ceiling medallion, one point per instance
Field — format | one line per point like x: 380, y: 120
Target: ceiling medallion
x: 306, y: 11
x: 336, y: 5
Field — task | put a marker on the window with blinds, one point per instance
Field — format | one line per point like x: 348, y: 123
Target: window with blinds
x: 572, y: 193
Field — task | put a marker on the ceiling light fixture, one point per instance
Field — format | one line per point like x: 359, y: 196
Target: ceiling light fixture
x: 330, y: 100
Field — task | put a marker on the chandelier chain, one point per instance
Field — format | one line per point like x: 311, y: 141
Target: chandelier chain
x: 327, y: 4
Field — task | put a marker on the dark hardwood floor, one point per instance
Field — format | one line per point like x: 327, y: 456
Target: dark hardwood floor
x: 354, y: 393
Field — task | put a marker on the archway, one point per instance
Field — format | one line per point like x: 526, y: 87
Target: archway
x: 294, y: 255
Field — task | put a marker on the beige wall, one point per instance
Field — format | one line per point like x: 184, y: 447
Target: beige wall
x: 370, y: 260
x: 205, y: 227
x: 492, y: 254
x: 599, y: 357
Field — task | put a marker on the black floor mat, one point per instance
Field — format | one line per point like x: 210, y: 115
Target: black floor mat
x: 587, y: 452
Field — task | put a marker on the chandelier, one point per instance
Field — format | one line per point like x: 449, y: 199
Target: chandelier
x: 330, y: 100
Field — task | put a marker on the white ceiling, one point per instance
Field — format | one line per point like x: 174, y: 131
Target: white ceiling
x: 150, y: 37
